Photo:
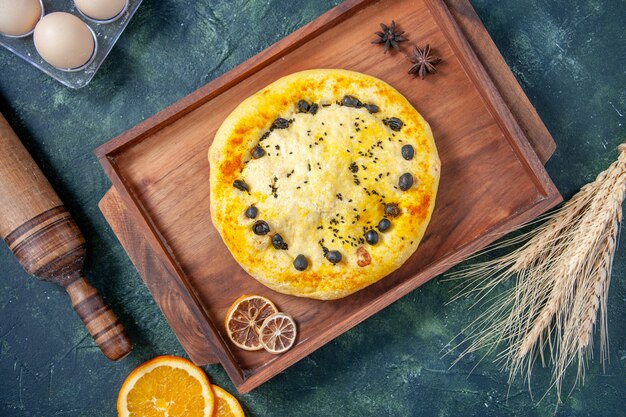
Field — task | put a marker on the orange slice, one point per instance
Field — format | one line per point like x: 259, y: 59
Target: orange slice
x: 244, y: 319
x: 225, y: 404
x: 166, y: 386
x: 278, y: 333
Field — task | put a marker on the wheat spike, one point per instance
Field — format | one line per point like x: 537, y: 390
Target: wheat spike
x: 562, y: 272
x: 587, y: 230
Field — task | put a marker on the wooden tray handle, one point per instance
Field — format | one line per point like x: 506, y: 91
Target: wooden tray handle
x: 101, y: 321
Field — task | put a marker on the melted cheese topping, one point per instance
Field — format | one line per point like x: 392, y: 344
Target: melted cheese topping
x: 324, y: 180
x: 322, y: 183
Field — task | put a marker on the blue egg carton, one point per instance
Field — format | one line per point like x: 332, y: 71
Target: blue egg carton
x: 106, y: 35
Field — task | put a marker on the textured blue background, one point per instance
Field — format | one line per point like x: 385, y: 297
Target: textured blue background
x: 570, y: 58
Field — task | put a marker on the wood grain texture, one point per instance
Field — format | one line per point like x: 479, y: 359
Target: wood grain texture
x: 25, y: 180
x: 49, y: 246
x: 102, y: 324
x: 501, y: 75
x: 491, y: 178
x: 158, y: 278
x: 47, y: 242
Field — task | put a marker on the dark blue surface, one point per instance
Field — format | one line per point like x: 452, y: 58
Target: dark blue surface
x: 570, y: 58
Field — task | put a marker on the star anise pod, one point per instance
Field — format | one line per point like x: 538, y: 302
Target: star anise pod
x: 423, y: 62
x: 389, y: 37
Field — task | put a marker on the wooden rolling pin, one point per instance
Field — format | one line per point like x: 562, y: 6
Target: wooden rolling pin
x: 46, y: 241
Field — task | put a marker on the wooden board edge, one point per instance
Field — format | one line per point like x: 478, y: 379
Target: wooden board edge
x: 491, y: 96
x: 155, y: 276
x: 511, y: 91
x: 178, y: 111
x: 188, y: 295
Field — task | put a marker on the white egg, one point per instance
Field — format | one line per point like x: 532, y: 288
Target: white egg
x: 19, y: 17
x: 64, y: 41
x: 101, y: 9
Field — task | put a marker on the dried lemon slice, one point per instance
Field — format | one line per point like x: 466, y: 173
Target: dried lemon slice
x: 166, y: 386
x: 278, y: 333
x: 226, y: 405
x: 244, y: 319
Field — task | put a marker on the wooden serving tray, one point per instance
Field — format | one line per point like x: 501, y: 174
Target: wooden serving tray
x: 492, y: 177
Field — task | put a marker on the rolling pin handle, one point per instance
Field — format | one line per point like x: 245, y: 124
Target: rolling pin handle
x: 101, y: 321
x: 47, y: 242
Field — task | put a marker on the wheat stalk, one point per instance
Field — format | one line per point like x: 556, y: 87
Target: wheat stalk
x: 562, y: 273
x: 587, y: 230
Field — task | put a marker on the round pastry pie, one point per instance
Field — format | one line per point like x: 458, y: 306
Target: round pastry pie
x: 323, y: 182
